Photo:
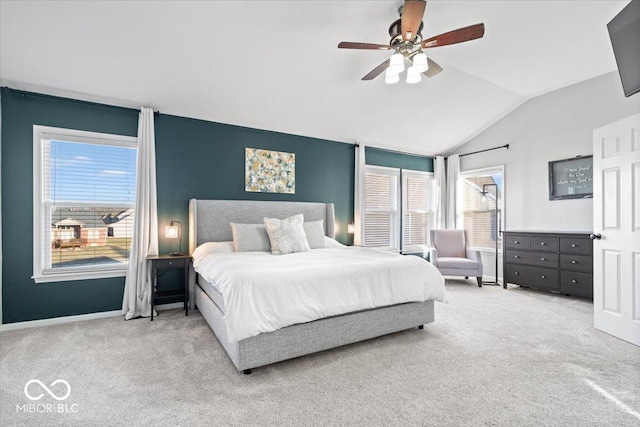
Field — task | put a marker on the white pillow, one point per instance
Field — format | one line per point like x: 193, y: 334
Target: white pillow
x: 314, y: 230
x: 287, y: 235
x: 332, y: 243
x: 212, y: 248
x: 250, y: 238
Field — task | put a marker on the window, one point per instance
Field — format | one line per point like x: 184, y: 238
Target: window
x: 84, y: 196
x: 417, y: 209
x: 478, y: 213
x: 381, y: 219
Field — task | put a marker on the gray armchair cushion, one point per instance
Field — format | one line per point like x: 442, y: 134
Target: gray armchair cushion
x: 450, y: 243
x: 457, y: 263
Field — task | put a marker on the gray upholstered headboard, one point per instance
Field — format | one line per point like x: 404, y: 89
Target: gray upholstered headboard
x: 209, y: 219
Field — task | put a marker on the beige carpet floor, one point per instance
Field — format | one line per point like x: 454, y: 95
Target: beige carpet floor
x: 493, y: 357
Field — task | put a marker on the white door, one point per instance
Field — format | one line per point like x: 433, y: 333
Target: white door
x: 616, y: 220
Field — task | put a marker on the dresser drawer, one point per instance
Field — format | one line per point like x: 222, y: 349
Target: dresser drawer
x: 576, y: 262
x: 574, y: 245
x: 546, y: 244
x: 515, y: 241
x: 536, y: 277
x: 574, y: 283
x: 532, y: 258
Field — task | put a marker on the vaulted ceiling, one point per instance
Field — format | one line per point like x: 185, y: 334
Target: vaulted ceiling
x: 275, y: 64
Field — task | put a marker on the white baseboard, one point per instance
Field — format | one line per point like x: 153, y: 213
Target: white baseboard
x: 78, y: 318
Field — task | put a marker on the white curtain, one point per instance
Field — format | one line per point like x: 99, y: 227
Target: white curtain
x: 440, y: 197
x: 358, y: 214
x: 137, y: 288
x: 453, y: 173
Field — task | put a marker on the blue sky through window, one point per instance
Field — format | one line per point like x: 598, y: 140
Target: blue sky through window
x: 82, y: 172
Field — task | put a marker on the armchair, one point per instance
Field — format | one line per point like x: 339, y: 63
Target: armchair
x: 451, y: 256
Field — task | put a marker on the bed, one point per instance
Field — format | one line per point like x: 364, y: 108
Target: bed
x: 209, y: 222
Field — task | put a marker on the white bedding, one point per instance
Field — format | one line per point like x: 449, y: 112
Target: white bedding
x: 264, y: 292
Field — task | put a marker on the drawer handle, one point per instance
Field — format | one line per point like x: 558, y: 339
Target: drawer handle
x: 574, y: 261
x: 543, y: 276
x: 573, y: 245
x: 574, y: 281
x: 542, y: 243
x: 543, y: 259
x: 516, y: 242
x: 516, y: 256
x: 517, y: 273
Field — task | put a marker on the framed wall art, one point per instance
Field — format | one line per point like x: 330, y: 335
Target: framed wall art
x: 269, y: 171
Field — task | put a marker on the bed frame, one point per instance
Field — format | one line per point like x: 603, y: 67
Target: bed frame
x: 209, y: 221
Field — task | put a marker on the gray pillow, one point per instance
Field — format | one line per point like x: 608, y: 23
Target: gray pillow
x: 287, y: 235
x: 250, y: 238
x: 314, y: 231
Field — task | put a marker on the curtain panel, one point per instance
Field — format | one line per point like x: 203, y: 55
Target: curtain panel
x: 453, y: 174
x: 137, y: 289
x: 440, y: 196
x: 358, y: 203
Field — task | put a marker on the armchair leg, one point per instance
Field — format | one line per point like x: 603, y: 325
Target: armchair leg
x: 479, y: 279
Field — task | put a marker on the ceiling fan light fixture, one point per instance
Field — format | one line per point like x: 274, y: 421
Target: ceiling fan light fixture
x: 396, y: 63
x: 390, y: 77
x: 413, y: 75
x: 420, y: 62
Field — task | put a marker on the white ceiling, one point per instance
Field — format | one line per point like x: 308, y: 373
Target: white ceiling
x: 275, y: 64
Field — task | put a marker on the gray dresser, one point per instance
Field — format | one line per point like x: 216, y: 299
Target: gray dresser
x: 559, y: 262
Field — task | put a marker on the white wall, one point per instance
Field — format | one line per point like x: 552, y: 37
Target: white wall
x: 553, y: 126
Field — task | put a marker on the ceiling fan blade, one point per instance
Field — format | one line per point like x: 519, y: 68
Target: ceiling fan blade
x: 377, y: 71
x: 433, y: 68
x: 412, y: 13
x: 368, y: 46
x: 460, y: 35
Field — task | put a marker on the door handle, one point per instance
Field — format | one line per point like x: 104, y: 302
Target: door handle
x: 596, y: 236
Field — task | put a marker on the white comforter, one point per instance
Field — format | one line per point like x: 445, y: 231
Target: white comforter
x: 264, y: 292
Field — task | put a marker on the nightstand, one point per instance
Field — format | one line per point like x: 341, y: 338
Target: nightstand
x: 166, y: 262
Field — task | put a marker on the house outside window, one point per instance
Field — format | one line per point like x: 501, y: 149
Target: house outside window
x: 477, y: 214
x: 84, y: 187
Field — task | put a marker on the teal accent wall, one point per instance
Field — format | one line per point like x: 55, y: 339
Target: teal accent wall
x: 194, y: 158
x: 379, y: 157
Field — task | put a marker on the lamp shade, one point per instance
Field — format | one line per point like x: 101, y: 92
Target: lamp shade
x: 171, y: 231
x: 413, y: 75
x: 391, y: 77
x: 420, y: 62
x: 350, y: 229
x: 396, y: 63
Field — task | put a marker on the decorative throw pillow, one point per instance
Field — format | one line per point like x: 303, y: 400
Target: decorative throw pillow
x: 314, y: 230
x: 250, y: 238
x: 286, y: 235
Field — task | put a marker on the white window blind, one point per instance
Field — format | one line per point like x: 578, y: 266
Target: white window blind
x: 381, y: 222
x: 478, y: 214
x: 83, y: 203
x: 417, y: 209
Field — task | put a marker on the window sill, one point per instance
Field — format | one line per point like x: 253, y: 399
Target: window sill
x: 84, y: 275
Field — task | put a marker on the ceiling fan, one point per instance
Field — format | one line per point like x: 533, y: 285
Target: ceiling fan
x: 407, y: 44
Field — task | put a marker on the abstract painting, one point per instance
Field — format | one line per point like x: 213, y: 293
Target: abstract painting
x: 269, y: 171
